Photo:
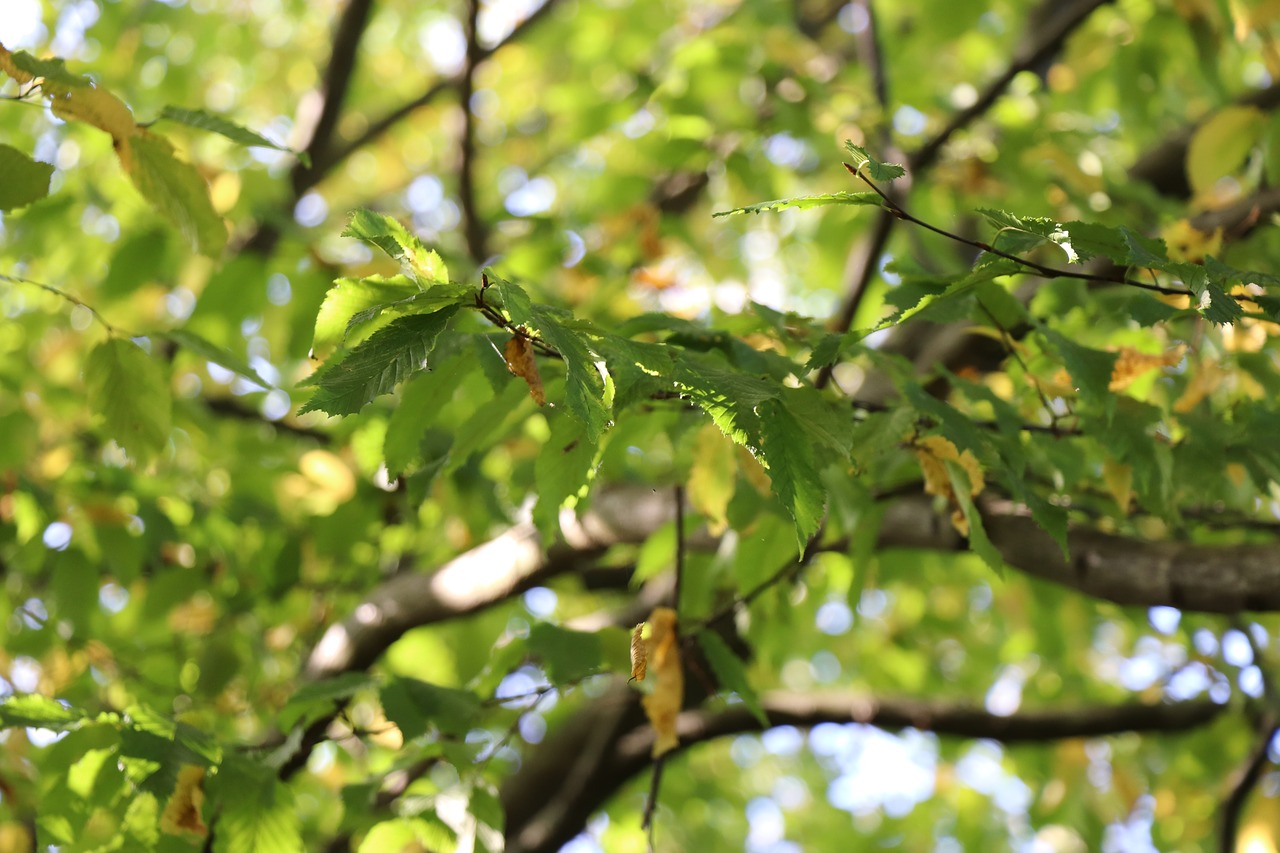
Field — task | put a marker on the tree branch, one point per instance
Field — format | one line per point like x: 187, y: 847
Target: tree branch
x: 536, y: 824
x: 1046, y: 43
x: 1242, y: 783
x: 377, y: 128
x: 473, y: 226
x: 337, y: 81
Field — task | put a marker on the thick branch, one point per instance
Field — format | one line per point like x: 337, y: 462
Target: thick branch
x: 1202, y: 578
x: 490, y: 573
x: 537, y: 824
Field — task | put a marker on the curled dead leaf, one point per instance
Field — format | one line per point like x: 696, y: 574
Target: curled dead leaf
x: 520, y: 360
x: 639, y: 655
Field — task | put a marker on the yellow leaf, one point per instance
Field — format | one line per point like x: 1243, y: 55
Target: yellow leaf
x: 182, y: 813
x: 933, y: 452
x: 639, y: 655
x: 1119, y: 479
x: 662, y: 706
x: 95, y: 106
x: 520, y: 361
x: 1220, y: 145
x: 8, y: 67
x: 712, y: 477
x: 1185, y: 242
x: 1131, y: 364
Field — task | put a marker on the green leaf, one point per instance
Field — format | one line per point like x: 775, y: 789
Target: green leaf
x: 22, y: 180
x: 1221, y: 144
x: 347, y: 298
x: 127, y: 387
x: 423, y: 831
x: 561, y: 471
x: 378, y: 229
x: 416, y: 706
x: 1089, y: 368
x: 210, y: 351
x: 865, y: 163
x: 32, y: 709
x: 421, y: 400
x: 730, y: 673
x: 978, y: 540
x: 202, y: 120
x: 319, y: 696
x: 1215, y: 303
x: 176, y: 190
x: 53, y: 70
x: 434, y: 298
x: 584, y: 386
x: 793, y: 470
x: 567, y: 656
x: 256, y: 811
x: 861, y: 199
x: 1020, y: 234
x: 1142, y: 251
x: 379, y: 364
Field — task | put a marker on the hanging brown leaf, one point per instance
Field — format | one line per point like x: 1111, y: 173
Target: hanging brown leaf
x: 662, y: 706
x: 182, y: 813
x: 520, y: 361
x: 639, y: 656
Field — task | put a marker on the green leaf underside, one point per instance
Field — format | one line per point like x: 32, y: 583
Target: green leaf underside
x: 416, y: 707
x: 376, y: 366
x: 177, y: 191
x: 731, y: 673
x: 22, y: 179
x: 567, y: 655
x: 210, y: 351
x: 202, y: 120
x: 807, y: 201
x: 378, y: 229
x: 793, y: 468
x: 127, y: 387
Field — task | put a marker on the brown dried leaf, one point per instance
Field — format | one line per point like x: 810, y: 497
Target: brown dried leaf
x: 520, y: 360
x: 182, y: 813
x: 662, y: 706
x: 639, y: 654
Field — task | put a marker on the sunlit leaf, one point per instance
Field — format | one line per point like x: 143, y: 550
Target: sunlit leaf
x: 175, y: 189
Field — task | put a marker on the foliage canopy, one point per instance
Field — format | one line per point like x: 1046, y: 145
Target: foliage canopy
x: 417, y: 433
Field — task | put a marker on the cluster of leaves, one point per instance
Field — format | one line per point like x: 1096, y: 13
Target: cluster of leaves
x: 498, y: 382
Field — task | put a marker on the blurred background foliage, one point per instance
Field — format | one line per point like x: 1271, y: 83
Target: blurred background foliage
x: 603, y: 135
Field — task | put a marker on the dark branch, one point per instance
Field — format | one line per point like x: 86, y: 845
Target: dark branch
x: 337, y: 81
x: 1045, y: 44
x: 1243, y: 781
x: 473, y: 225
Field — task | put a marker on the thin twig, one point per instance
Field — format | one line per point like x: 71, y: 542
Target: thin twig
x: 74, y: 300
x: 1042, y: 49
x: 1041, y: 269
x: 1244, y: 780
x: 379, y: 127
